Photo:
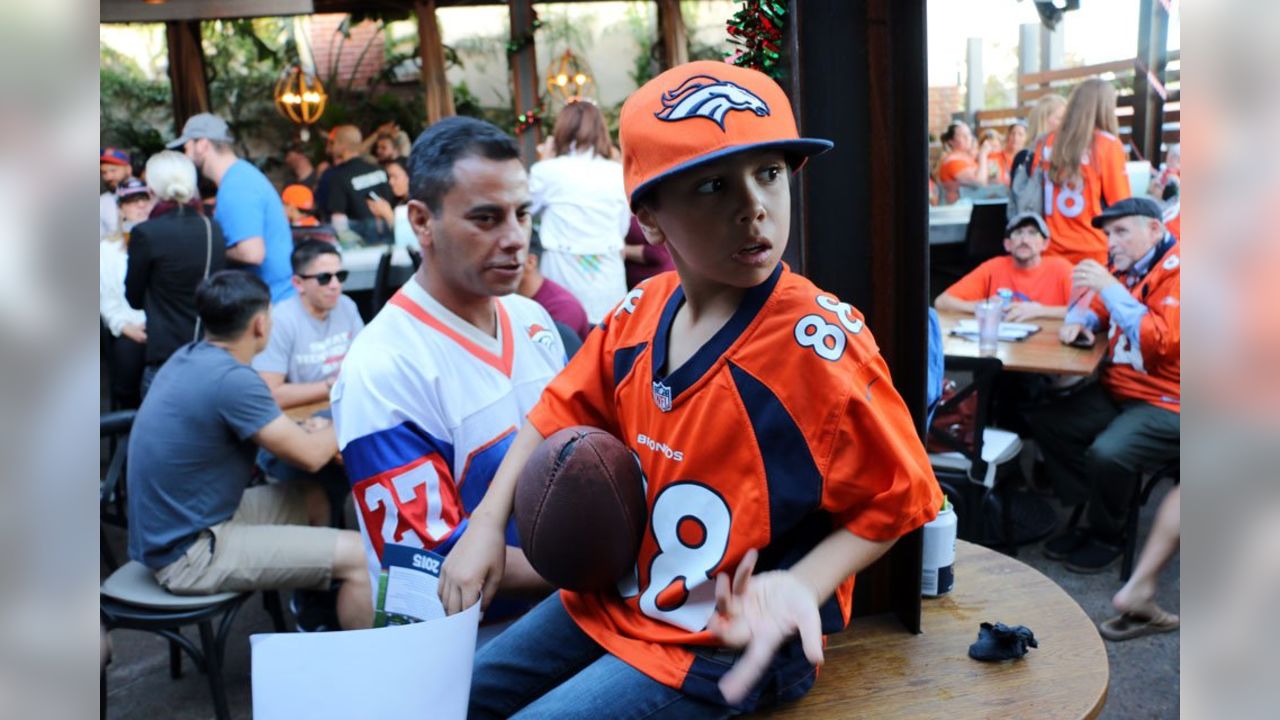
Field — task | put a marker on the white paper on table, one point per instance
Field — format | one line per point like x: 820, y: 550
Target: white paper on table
x: 1008, y: 330
x: 422, y: 670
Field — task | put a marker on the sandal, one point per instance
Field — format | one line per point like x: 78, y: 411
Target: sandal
x: 1128, y: 626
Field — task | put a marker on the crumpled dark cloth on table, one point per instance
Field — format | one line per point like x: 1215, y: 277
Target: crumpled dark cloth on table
x: 1000, y: 642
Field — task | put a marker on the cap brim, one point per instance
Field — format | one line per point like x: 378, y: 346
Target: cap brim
x: 175, y: 144
x: 113, y: 161
x: 805, y: 148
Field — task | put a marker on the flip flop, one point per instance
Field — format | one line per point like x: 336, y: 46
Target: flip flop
x: 1137, y: 624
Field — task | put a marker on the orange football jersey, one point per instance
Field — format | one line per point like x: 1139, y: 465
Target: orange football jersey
x: 1069, y: 208
x: 782, y: 428
x: 1149, y: 367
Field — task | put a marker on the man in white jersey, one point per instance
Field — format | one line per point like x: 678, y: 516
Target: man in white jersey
x: 433, y: 390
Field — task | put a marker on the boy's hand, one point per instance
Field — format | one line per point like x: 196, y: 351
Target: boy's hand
x: 760, y: 613
x: 474, y: 567
x: 1022, y: 311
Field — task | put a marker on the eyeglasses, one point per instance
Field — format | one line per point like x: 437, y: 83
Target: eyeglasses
x: 325, y: 278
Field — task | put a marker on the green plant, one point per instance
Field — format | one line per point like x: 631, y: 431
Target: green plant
x: 133, y: 108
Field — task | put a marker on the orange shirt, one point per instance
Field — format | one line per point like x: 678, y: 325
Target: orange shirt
x: 782, y: 428
x: 1048, y: 283
x: 998, y: 163
x: 951, y: 167
x: 1150, y: 369
x: 1071, y: 207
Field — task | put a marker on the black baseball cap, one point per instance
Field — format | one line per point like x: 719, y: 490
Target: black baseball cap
x: 1145, y: 207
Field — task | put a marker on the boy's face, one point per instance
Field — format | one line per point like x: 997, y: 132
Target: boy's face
x: 726, y: 222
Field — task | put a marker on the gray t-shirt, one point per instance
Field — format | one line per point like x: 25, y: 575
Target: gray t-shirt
x: 190, y: 452
x: 306, y: 349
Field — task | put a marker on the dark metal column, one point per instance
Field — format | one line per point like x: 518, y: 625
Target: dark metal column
x: 1148, y: 79
x: 187, y: 80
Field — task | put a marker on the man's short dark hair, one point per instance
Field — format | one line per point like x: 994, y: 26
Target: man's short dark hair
x: 228, y: 299
x: 309, y: 250
x: 535, y: 244
x: 442, y: 145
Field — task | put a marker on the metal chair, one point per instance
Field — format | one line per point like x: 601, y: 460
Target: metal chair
x: 1142, y: 493
x: 389, y: 277
x: 113, y: 428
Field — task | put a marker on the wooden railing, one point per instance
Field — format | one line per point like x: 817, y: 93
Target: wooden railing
x: 1033, y: 86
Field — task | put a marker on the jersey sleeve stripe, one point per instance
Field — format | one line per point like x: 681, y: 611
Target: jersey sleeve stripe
x: 795, y: 484
x: 378, y: 452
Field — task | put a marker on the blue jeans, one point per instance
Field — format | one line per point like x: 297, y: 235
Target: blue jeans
x: 543, y: 666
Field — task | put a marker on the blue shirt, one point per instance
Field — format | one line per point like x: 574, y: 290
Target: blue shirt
x: 191, y: 451
x: 249, y: 206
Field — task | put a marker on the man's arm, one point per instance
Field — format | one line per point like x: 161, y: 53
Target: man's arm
x: 290, y: 395
x: 250, y: 251
x: 309, y: 451
x: 138, y: 270
x: 947, y: 302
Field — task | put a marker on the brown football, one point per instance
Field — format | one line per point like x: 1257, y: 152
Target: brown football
x: 580, y: 509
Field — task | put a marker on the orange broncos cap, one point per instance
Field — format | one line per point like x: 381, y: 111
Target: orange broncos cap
x: 701, y: 111
x: 299, y: 196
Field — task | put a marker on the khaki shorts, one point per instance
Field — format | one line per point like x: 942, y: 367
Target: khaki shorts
x: 266, y: 545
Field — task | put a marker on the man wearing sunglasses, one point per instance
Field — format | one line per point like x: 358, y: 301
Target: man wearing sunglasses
x: 311, y: 331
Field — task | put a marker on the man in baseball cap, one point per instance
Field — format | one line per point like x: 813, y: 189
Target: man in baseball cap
x: 202, y: 126
x: 1096, y: 440
x: 1041, y: 286
x: 731, y: 346
x: 114, y: 168
x: 248, y: 209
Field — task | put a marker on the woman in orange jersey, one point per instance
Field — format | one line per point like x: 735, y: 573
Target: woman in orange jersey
x: 1015, y: 138
x: 958, y: 168
x: 1084, y: 163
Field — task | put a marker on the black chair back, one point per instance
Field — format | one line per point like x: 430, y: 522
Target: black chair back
x: 114, y: 428
x: 984, y: 237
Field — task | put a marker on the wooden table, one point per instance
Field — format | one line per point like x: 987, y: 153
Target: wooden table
x: 1039, y: 353
x: 876, y: 670
x: 302, y: 412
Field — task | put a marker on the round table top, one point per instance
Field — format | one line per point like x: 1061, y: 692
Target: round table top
x: 876, y: 669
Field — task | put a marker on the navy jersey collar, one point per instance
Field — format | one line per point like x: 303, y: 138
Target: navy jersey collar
x: 673, y: 384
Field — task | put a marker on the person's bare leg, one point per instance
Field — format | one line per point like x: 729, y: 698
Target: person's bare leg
x: 317, y: 505
x: 355, y: 598
x: 1138, y: 595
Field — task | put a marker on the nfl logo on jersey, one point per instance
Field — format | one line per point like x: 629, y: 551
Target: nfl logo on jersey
x: 662, y: 396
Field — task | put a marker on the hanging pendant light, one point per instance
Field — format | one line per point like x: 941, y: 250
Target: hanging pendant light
x: 300, y: 96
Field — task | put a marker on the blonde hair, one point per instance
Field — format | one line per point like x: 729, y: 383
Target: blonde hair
x: 1039, y: 117
x: 171, y: 176
x: 1092, y: 107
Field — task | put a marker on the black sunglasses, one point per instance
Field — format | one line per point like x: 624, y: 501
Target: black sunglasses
x: 324, y: 278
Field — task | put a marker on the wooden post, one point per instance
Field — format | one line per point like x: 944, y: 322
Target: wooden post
x: 672, y: 34
x: 863, y: 78
x: 189, y: 86
x: 1148, y: 79
x: 439, y: 96
x: 524, y: 77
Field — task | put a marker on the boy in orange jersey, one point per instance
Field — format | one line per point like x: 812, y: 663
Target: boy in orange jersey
x: 1041, y: 286
x: 1097, y: 440
x: 792, y: 452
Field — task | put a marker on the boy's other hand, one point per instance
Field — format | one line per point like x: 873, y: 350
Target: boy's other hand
x: 474, y: 567
x: 760, y: 613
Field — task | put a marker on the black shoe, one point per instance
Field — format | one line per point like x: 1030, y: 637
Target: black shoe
x: 1093, y: 557
x: 313, y: 611
x: 1061, y: 547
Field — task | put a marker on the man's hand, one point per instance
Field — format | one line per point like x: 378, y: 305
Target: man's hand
x: 1091, y: 274
x: 381, y: 209
x: 474, y: 567
x: 1069, y: 332
x: 136, y: 332
x: 1023, y: 311
x: 760, y: 613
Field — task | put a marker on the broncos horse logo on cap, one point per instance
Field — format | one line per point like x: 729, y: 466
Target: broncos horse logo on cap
x: 708, y: 97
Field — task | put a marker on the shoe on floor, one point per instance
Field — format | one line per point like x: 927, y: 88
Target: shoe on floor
x: 1130, y: 625
x: 1060, y: 547
x: 313, y: 611
x: 1093, y: 556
